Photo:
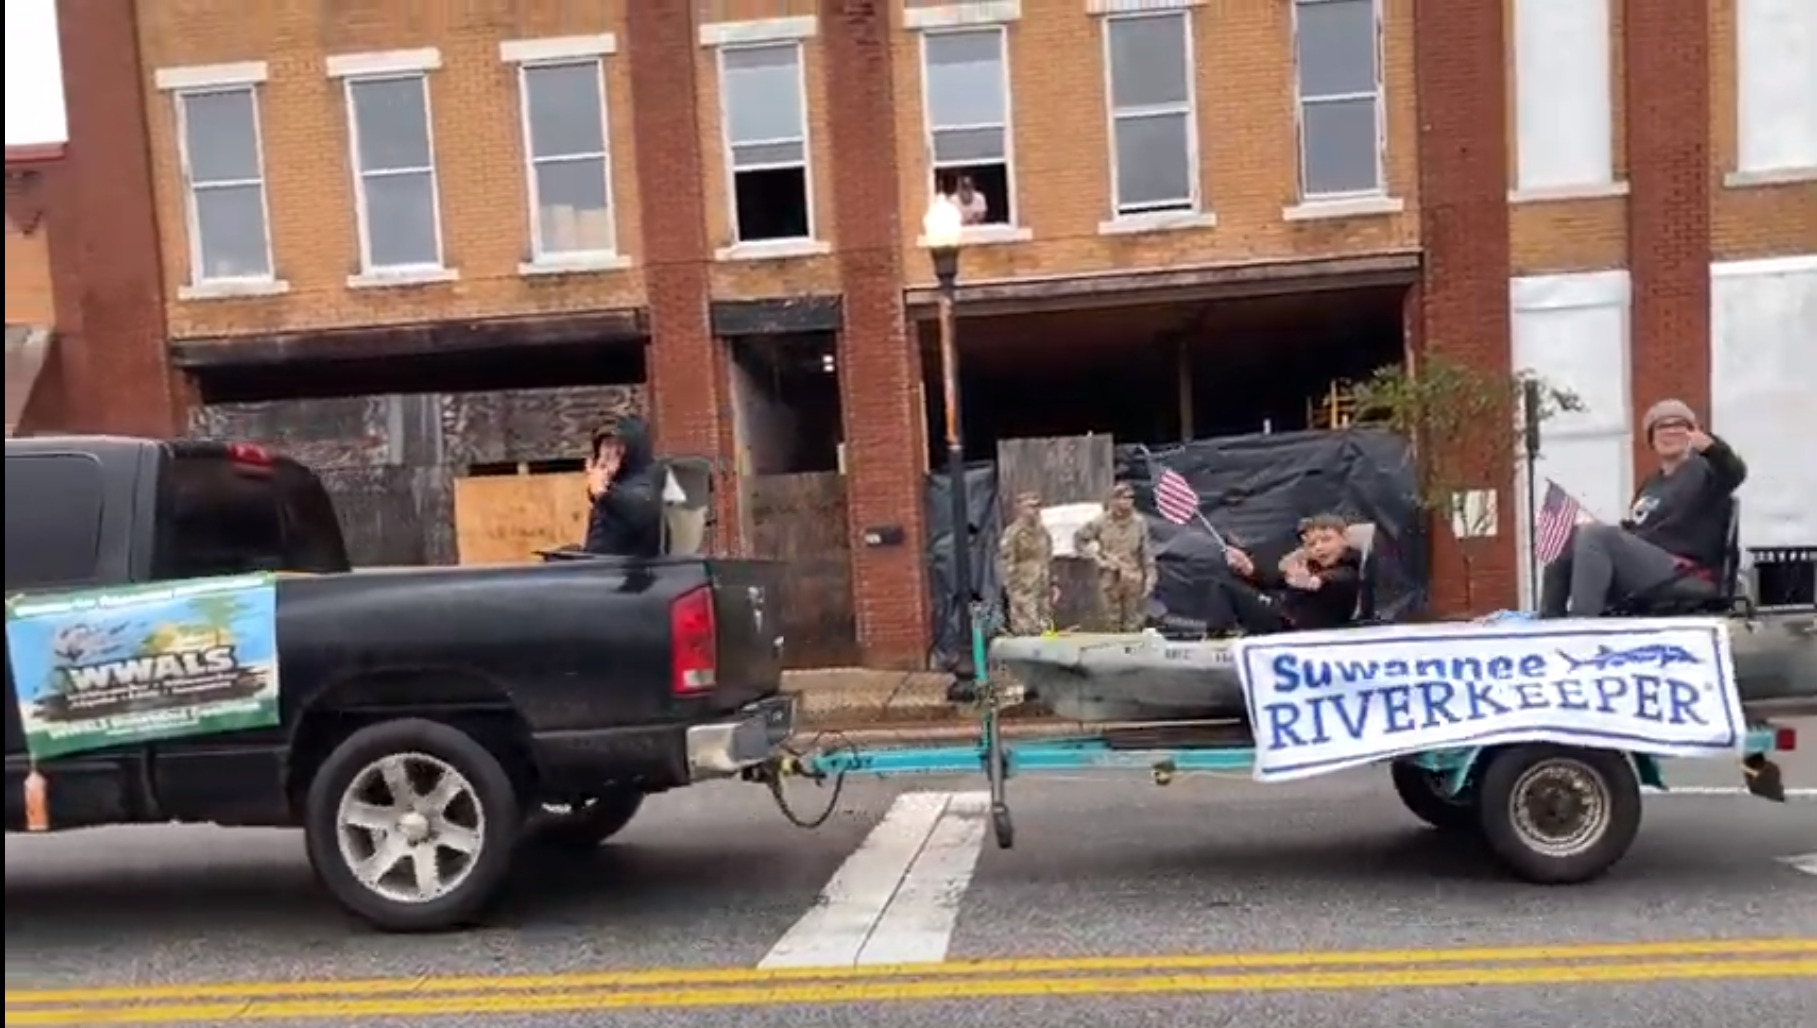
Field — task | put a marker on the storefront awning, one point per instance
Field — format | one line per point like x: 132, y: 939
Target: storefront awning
x: 26, y: 348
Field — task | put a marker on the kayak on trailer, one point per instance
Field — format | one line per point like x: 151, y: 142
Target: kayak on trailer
x: 1098, y: 678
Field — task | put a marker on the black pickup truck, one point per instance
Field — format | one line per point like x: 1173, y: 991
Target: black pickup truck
x: 427, y: 719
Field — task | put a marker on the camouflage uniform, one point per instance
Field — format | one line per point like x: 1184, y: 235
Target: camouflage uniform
x: 1126, y: 566
x: 1027, y: 560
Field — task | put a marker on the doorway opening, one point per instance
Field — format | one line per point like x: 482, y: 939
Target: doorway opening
x: 785, y: 401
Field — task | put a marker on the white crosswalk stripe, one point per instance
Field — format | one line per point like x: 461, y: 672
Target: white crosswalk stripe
x: 896, y: 898
x: 1806, y: 862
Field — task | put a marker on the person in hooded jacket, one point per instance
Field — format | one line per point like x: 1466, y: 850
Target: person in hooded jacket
x: 626, y: 517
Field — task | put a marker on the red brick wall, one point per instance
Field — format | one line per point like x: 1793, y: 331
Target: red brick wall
x: 1463, y: 295
x: 106, y: 275
x: 879, y: 368
x: 686, y: 381
x: 1670, y: 177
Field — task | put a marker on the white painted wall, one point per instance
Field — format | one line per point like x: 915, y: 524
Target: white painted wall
x: 1776, y: 71
x: 1763, y: 389
x: 1572, y: 330
x: 1562, y: 111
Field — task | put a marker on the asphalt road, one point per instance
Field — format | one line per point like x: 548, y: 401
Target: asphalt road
x: 1213, y: 901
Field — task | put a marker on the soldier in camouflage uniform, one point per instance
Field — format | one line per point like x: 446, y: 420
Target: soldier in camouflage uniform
x: 1026, y: 561
x: 1117, y: 541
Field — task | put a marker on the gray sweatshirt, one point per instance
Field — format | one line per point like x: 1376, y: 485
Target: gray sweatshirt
x: 1685, y: 513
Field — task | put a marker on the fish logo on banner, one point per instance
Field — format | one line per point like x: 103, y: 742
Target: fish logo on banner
x: 1325, y: 701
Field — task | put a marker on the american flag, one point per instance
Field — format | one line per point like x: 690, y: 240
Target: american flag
x: 1557, y: 516
x: 1174, y: 498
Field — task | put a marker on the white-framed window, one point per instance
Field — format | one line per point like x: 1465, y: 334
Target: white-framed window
x: 1338, y: 78
x: 221, y: 156
x: 968, y: 119
x: 224, y: 174
x: 763, y: 99
x: 1776, y: 88
x: 392, y: 141
x: 1153, y: 121
x: 568, y: 159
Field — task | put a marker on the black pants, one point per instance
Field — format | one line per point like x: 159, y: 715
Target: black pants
x: 1256, y: 612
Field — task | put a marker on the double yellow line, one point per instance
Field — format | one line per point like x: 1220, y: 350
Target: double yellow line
x: 362, y: 1000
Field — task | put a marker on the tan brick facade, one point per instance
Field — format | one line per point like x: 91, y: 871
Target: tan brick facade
x: 1448, y: 162
x: 303, y: 121
x: 1758, y: 220
x: 1247, y: 145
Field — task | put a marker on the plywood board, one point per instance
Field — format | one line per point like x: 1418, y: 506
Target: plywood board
x: 506, y: 519
x: 801, y: 519
x: 1063, y: 470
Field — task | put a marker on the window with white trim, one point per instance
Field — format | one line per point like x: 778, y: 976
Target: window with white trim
x: 1776, y: 86
x: 395, y: 184
x: 965, y: 83
x: 564, y: 112
x: 1337, y: 57
x: 764, y: 98
x: 224, y: 176
x: 1154, y: 144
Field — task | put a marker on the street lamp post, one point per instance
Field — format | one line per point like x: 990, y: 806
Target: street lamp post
x: 940, y: 231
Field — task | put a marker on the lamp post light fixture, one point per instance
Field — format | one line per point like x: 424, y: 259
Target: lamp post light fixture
x: 941, y: 229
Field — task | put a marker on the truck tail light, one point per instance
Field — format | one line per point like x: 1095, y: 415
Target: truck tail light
x: 1785, y: 739
x: 693, y: 642
x: 249, y: 458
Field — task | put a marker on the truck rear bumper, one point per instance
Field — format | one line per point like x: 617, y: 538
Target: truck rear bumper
x: 725, y: 748
x: 664, y: 756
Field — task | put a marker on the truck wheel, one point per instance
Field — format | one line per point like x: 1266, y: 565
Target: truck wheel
x: 1419, y: 789
x: 410, y: 824
x: 1559, y: 815
x: 587, y: 823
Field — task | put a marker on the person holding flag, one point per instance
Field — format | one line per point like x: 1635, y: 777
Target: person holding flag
x: 1315, y: 586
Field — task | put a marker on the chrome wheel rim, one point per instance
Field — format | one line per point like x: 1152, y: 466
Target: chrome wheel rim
x: 1560, y: 808
x: 411, y: 827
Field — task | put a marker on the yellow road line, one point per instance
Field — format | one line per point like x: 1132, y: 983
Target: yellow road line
x: 887, y: 991
x: 949, y: 969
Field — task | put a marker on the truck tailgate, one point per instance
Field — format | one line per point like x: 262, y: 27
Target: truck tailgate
x: 748, y: 624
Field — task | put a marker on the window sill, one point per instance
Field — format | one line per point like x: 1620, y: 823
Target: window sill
x: 1343, y: 207
x: 773, y: 250
x: 988, y: 235
x: 1554, y: 194
x: 237, y: 290
x: 574, y: 264
x: 1771, y: 177
x: 1157, y: 221
x: 398, y: 279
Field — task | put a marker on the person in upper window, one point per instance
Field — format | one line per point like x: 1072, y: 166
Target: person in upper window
x: 626, y: 516
x: 973, y: 207
x: 1313, y: 587
x: 1673, y: 541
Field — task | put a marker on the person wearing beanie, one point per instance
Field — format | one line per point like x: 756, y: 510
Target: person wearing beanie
x: 1673, y: 540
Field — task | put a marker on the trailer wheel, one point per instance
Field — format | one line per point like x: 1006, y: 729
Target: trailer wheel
x: 1559, y: 815
x: 410, y: 824
x: 1421, y: 792
x: 586, y: 823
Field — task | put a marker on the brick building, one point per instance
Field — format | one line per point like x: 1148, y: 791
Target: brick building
x: 370, y: 197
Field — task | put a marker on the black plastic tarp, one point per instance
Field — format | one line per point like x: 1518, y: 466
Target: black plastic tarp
x: 1253, y: 489
x: 985, y: 529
